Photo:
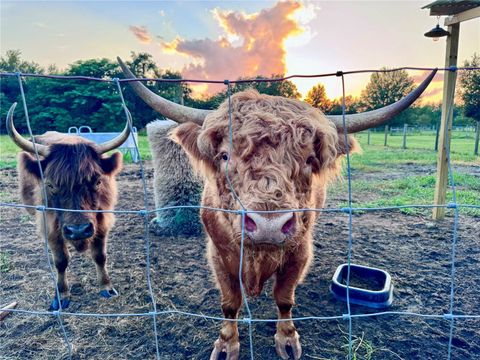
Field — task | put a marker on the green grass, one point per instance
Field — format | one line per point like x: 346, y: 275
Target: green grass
x: 414, y: 189
x: 418, y: 190
x: 5, y: 262
x: 8, y: 152
x: 420, y: 148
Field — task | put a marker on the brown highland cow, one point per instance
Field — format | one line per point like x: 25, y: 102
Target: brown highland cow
x: 284, y: 152
x: 78, y: 177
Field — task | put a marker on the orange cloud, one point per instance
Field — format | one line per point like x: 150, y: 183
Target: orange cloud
x: 253, y: 44
x: 141, y: 33
x: 434, y: 92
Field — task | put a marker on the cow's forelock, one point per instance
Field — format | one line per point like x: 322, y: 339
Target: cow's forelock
x: 72, y: 175
x: 277, y: 146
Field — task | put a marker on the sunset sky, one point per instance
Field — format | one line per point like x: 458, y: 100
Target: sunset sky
x: 228, y: 39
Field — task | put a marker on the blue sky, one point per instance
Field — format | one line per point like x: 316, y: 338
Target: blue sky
x: 325, y: 36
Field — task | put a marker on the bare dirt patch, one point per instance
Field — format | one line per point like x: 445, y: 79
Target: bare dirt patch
x: 414, y: 250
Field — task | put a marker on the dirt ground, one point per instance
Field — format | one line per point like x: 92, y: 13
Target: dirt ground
x: 413, y: 249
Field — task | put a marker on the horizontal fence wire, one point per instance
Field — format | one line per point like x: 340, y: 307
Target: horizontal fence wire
x: 238, y: 81
x: 249, y: 320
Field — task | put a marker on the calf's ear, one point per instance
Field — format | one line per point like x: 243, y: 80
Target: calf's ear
x: 28, y: 164
x: 112, y: 164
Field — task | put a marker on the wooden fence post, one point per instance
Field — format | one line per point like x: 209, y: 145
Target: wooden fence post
x: 368, y: 137
x: 446, y: 122
x: 386, y: 135
x: 477, y: 136
x: 437, y: 130
x: 404, y: 146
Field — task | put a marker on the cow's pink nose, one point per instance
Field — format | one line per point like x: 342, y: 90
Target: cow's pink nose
x: 270, y: 228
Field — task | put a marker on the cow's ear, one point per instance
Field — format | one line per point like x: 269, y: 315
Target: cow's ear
x: 342, y: 148
x: 28, y: 164
x: 186, y: 135
x: 112, y: 164
x: 325, y: 148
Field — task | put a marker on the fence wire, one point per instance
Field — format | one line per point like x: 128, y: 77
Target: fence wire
x: 145, y: 212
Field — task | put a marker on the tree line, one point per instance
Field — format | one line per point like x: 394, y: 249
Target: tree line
x: 55, y: 104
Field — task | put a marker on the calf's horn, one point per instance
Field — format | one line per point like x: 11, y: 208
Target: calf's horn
x: 118, y: 140
x: 167, y: 108
x: 18, y: 139
x: 374, y: 118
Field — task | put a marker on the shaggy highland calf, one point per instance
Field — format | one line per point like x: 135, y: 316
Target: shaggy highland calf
x: 174, y: 183
x: 284, y: 154
x: 78, y: 177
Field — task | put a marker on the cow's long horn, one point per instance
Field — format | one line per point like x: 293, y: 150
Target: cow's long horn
x: 374, y: 118
x: 167, y: 108
x: 18, y: 139
x: 117, y: 141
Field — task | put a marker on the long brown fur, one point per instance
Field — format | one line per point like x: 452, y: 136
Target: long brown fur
x: 282, y: 156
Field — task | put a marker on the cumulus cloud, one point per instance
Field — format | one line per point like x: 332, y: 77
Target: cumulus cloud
x: 252, y: 44
x: 141, y: 33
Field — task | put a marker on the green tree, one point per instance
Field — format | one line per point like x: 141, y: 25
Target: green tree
x: 470, y: 88
x: 317, y: 97
x: 9, y: 87
x: 352, y: 104
x: 385, y: 88
x: 284, y: 88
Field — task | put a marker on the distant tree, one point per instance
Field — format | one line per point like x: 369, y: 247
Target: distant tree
x: 470, y: 88
x: 9, y: 87
x: 12, y: 62
x: 142, y: 65
x: 352, y: 104
x: 284, y: 88
x: 317, y: 97
x: 385, y: 88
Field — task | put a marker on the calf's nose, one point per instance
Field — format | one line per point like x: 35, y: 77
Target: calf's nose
x: 78, y: 231
x: 269, y: 228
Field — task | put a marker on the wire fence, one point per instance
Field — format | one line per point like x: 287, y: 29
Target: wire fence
x: 146, y: 211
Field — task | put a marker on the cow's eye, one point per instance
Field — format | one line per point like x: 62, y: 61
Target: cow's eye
x: 225, y: 156
x: 310, y: 160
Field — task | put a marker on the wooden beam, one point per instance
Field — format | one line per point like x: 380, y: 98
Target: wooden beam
x: 463, y: 16
x: 446, y: 122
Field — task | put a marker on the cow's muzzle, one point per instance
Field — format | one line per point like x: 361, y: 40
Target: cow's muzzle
x: 78, y: 231
x: 272, y: 229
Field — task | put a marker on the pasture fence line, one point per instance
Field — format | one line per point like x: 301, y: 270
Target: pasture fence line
x: 350, y: 210
x: 411, y: 131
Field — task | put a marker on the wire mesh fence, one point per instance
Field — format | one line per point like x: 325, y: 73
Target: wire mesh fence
x: 242, y: 211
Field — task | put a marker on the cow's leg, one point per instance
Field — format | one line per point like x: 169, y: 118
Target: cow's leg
x: 284, y: 294
x: 99, y: 255
x: 227, y: 343
x: 60, y: 259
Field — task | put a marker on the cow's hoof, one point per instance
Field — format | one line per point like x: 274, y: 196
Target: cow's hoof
x: 288, y: 344
x: 55, y: 305
x: 108, y: 293
x: 225, y: 350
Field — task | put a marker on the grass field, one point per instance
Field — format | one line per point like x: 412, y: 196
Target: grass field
x: 414, y: 185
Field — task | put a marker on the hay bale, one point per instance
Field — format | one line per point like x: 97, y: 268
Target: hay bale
x: 174, y: 184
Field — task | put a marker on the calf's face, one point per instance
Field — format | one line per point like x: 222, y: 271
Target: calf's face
x: 76, y: 178
x: 278, y: 154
